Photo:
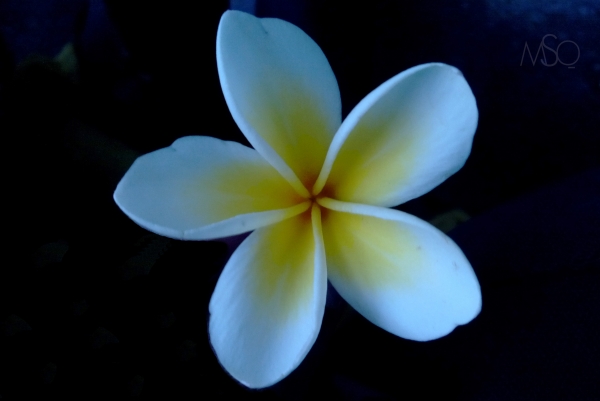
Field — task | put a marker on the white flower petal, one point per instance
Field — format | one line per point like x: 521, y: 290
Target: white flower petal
x: 267, y: 307
x: 398, y: 271
x: 281, y: 92
x: 203, y: 188
x: 403, y: 139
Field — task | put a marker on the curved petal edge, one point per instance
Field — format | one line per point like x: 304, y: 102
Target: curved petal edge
x: 403, y: 139
x: 398, y: 271
x: 204, y: 188
x: 281, y: 92
x: 268, y: 304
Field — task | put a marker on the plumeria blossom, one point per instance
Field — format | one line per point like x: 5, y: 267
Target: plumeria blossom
x: 316, y: 191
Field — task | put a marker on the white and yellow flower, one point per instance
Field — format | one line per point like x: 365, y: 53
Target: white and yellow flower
x: 316, y: 192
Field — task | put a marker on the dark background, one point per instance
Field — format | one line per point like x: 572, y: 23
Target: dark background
x: 94, y: 307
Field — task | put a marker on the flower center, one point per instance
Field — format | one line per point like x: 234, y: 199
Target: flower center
x: 315, y: 197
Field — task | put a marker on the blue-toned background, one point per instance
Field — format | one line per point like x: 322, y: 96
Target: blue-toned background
x: 92, y: 306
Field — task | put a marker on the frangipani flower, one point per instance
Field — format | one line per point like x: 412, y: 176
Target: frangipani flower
x: 316, y: 192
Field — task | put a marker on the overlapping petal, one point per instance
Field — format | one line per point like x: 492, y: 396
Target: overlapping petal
x: 281, y: 92
x: 398, y: 271
x: 403, y: 139
x: 267, y: 307
x: 203, y: 188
